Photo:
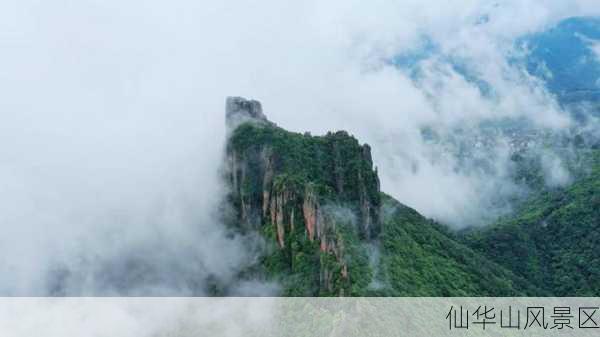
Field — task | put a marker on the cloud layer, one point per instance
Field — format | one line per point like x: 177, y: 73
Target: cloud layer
x: 111, y: 120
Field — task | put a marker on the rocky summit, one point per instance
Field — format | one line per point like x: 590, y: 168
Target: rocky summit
x: 239, y: 110
x: 313, y: 209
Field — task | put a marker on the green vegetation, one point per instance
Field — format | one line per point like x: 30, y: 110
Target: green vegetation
x: 422, y: 258
x: 297, y: 269
x: 274, y: 163
x: 550, y: 247
x: 553, y: 240
x: 334, y: 162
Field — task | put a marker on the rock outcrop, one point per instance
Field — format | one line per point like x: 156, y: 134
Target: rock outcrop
x: 282, y: 182
x: 239, y: 110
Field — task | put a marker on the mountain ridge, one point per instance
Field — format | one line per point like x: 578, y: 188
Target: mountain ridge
x: 330, y: 231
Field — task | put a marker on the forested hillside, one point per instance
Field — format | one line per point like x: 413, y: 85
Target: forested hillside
x: 330, y: 231
x: 553, y: 240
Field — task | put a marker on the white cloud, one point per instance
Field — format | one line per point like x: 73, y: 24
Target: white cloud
x: 593, y: 45
x: 554, y: 170
x: 596, y: 49
x: 112, y: 113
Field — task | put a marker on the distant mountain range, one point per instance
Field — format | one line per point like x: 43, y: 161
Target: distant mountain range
x: 567, y: 58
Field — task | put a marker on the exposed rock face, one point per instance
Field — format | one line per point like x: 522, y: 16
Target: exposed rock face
x: 239, y: 110
x: 282, y: 213
x: 311, y: 212
x: 283, y: 181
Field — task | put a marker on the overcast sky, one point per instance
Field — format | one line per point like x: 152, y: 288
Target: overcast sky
x: 111, y: 117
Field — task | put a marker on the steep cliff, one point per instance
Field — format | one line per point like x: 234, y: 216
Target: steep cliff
x: 318, y: 197
x: 330, y: 230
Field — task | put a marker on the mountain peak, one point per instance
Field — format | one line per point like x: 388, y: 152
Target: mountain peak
x: 239, y: 110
